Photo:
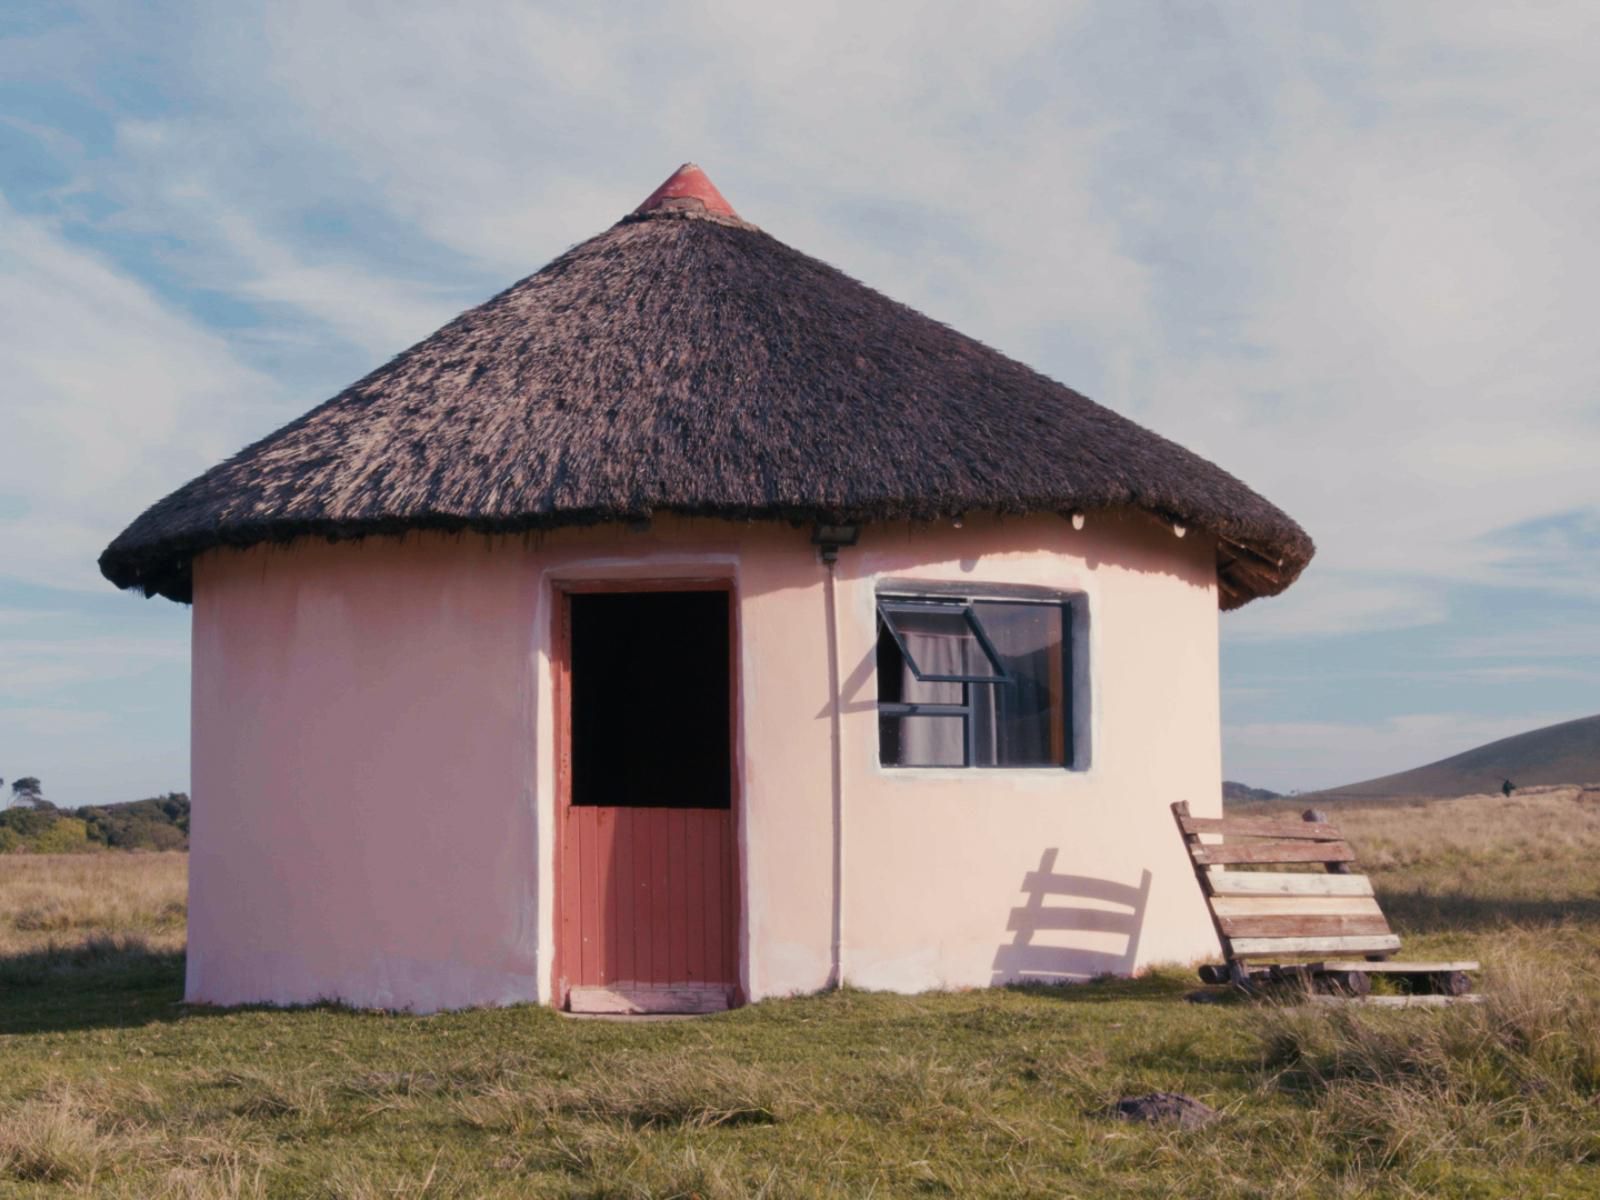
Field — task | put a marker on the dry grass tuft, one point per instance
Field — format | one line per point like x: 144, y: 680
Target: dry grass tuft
x: 1545, y: 824
x: 232, y: 1178
x: 689, y: 1092
x: 104, y: 913
x: 57, y: 1139
x: 104, y: 892
x: 1537, y: 825
x: 1514, y: 1080
x: 263, y: 1096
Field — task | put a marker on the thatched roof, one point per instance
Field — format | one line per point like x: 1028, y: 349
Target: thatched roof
x: 685, y: 362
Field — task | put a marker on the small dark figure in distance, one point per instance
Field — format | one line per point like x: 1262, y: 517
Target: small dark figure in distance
x: 1506, y: 788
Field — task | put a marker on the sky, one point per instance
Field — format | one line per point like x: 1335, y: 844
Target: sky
x: 1345, y: 251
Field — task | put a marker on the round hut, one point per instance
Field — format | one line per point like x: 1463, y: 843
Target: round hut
x: 690, y: 624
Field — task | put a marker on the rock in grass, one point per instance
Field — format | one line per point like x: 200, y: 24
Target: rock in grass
x: 1164, y: 1108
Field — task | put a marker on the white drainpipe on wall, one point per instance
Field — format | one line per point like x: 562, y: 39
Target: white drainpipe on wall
x: 837, y: 967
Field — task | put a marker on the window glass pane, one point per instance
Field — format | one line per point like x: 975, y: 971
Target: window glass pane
x: 1022, y: 723
x: 897, y: 685
x: 939, y: 640
x: 922, y: 741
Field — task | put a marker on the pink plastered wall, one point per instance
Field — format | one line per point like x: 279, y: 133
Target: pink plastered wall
x: 374, y: 785
x: 960, y: 877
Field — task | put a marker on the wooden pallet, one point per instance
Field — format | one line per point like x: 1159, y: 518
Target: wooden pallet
x: 1303, y: 925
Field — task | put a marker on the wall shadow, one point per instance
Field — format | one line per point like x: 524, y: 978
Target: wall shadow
x: 1022, y: 960
x: 92, y: 986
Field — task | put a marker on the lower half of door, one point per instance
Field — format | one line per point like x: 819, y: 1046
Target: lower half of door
x: 648, y: 910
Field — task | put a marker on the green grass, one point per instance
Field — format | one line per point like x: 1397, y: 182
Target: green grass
x: 109, y: 1086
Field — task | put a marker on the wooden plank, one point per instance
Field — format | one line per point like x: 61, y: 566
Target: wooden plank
x: 644, y: 903
x: 660, y: 899
x: 1292, y: 906
x: 610, y: 884
x: 625, y: 999
x: 731, y: 899
x: 1262, y: 827
x: 1273, y: 852
x: 589, y: 900
x: 678, y: 889
x: 699, y: 835
x: 711, y: 898
x: 1302, y: 925
x: 1286, y: 883
x: 627, y: 893
x: 1424, y: 1001
x: 1392, y: 967
x: 1260, y: 947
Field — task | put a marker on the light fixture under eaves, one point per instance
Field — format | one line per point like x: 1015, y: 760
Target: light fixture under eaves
x: 829, y: 538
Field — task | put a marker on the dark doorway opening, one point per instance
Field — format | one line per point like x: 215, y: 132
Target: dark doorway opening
x: 651, y: 724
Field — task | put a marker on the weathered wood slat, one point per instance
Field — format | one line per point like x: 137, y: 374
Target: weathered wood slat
x: 629, y: 998
x: 1291, y: 906
x: 1392, y: 967
x: 1261, y: 827
x: 1398, y: 1001
x: 1255, y: 947
x: 1301, y: 926
x: 1286, y: 883
x: 1273, y: 852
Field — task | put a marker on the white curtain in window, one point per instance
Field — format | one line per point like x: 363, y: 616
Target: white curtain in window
x: 934, y: 741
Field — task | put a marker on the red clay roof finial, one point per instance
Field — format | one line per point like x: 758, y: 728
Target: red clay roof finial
x: 688, y: 188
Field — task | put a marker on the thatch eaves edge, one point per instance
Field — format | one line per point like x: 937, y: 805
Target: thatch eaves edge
x: 1249, y: 566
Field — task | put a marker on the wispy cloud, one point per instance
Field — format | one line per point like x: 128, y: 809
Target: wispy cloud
x: 37, y: 668
x: 1568, y: 641
x: 1329, y: 604
x: 39, y: 721
x: 115, y: 396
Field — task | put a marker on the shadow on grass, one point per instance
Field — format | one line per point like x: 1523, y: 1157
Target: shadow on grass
x: 1456, y: 912
x: 123, y: 984
x: 98, y: 983
x: 1111, y: 989
x: 62, y: 990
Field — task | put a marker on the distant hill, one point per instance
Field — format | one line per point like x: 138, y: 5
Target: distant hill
x: 1233, y: 792
x: 1564, y: 753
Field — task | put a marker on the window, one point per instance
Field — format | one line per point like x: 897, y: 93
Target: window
x: 973, y: 682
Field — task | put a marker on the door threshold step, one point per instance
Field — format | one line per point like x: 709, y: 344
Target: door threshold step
x: 638, y: 1000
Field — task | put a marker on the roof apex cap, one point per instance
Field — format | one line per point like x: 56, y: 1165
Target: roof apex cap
x: 688, y: 189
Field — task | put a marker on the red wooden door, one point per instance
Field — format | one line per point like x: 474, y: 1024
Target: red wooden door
x: 647, y: 900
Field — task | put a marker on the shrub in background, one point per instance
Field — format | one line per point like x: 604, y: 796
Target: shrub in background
x: 68, y: 835
x: 159, y: 823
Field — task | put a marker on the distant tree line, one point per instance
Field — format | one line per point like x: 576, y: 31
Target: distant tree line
x: 34, y: 825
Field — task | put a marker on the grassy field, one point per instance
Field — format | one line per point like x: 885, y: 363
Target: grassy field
x: 108, y: 1085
